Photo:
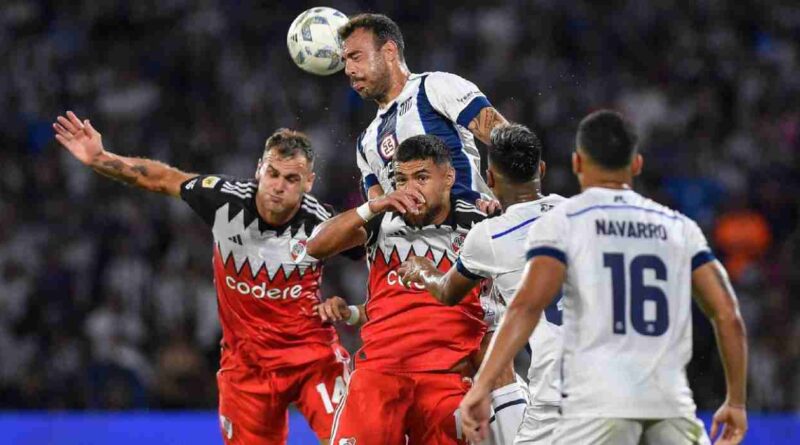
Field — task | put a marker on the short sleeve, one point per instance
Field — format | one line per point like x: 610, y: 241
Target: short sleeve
x: 455, y: 97
x: 368, y: 177
x: 547, y: 236
x: 204, y: 195
x: 476, y: 256
x: 697, y: 245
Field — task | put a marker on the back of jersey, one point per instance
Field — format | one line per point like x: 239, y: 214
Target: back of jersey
x: 627, y: 302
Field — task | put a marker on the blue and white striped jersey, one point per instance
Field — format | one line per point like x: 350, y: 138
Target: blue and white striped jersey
x: 437, y: 103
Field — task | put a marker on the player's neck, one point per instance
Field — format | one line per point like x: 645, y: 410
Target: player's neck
x: 443, y: 213
x: 520, y: 193
x: 608, y: 180
x: 276, y: 218
x: 399, y: 76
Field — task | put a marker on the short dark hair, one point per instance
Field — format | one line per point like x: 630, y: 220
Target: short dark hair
x: 423, y: 147
x: 515, y: 151
x: 289, y: 143
x: 383, y: 28
x: 608, y: 138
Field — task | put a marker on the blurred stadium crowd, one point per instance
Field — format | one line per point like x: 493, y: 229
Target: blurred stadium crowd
x: 106, y: 298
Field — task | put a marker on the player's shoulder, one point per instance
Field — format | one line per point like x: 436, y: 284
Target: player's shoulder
x: 223, y: 185
x: 465, y: 215
x: 314, y: 211
x: 441, y: 77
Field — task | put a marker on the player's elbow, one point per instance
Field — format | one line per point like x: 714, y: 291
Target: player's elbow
x: 729, y: 320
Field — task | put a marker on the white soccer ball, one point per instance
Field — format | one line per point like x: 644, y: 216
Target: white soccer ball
x: 314, y: 42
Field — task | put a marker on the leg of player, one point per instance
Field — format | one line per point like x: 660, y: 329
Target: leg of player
x: 321, y: 389
x: 250, y: 411
x: 538, y: 425
x: 598, y: 431
x: 373, y: 410
x: 509, y: 399
x: 434, y: 418
x: 677, y: 431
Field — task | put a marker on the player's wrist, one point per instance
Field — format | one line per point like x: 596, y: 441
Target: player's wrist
x: 355, y: 316
x: 736, y: 404
x: 365, y: 211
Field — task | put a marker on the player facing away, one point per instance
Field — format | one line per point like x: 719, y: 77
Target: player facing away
x: 495, y: 249
x: 629, y: 267
x: 414, y: 365
x: 275, y: 350
x: 436, y: 103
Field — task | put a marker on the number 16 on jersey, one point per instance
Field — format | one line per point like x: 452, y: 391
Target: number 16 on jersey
x: 648, y: 304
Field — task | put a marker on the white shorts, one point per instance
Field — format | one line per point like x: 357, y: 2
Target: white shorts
x: 537, y: 425
x: 596, y: 431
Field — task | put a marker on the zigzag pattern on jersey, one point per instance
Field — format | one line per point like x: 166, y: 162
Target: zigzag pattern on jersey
x: 278, y: 275
x: 395, y: 257
x: 246, y: 240
x: 313, y: 211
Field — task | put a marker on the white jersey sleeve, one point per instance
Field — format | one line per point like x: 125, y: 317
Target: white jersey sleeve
x: 455, y: 97
x: 476, y: 258
x: 548, y: 236
x: 697, y: 245
x: 368, y: 176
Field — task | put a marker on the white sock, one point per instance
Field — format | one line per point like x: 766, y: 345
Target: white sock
x: 508, y: 410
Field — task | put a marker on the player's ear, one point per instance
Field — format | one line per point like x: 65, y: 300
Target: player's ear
x: 489, y: 178
x: 542, y: 169
x: 637, y: 164
x: 389, y: 50
x: 451, y: 176
x: 260, y: 168
x: 577, y: 163
x: 309, y: 184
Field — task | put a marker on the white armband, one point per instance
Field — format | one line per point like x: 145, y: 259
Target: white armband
x: 364, y: 212
x: 355, y: 316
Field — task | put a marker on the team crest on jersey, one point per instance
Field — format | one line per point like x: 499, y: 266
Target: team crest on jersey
x: 209, y: 182
x: 457, y: 241
x: 388, y: 146
x: 297, y: 248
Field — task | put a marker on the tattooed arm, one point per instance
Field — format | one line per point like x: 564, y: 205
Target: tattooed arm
x: 483, y: 124
x: 85, y: 143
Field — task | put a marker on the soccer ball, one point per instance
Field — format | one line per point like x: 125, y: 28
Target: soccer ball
x: 314, y: 43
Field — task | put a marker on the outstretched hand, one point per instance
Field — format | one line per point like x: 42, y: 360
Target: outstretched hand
x: 78, y: 137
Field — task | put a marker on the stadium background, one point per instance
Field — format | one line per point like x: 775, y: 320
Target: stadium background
x: 106, y: 299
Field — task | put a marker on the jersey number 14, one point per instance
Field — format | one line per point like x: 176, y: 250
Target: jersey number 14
x: 640, y: 294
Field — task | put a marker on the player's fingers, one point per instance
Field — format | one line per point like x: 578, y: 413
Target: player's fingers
x: 329, y: 314
x: 409, y: 203
x: 90, y: 128
x: 337, y: 311
x: 398, y: 205
x: 74, y: 120
x: 60, y: 130
x: 714, y: 426
x: 63, y: 141
x: 67, y: 124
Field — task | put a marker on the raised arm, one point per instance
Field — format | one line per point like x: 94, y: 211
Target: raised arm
x: 347, y: 230
x: 449, y: 288
x: 85, y: 143
x: 715, y: 296
x: 483, y: 124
